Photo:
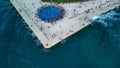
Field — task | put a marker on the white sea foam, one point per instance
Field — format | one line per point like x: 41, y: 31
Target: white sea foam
x: 105, y: 18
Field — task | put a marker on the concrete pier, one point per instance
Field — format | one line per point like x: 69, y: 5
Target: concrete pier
x: 77, y: 16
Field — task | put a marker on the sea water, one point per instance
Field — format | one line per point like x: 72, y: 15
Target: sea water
x: 96, y: 46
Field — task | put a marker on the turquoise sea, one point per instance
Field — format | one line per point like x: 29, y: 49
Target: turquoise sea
x: 96, y: 46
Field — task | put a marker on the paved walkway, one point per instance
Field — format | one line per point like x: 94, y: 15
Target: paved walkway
x: 76, y: 18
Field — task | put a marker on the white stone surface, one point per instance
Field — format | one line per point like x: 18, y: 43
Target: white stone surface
x: 74, y: 19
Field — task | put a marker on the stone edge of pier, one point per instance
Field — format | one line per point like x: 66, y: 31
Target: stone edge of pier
x: 40, y: 35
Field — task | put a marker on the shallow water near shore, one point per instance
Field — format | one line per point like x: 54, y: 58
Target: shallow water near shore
x: 96, y: 46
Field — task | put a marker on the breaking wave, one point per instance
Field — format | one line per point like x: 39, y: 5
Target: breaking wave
x: 107, y: 19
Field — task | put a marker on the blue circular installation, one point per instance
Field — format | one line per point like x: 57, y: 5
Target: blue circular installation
x: 50, y: 13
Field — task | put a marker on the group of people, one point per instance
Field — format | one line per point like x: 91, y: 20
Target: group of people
x: 75, y: 14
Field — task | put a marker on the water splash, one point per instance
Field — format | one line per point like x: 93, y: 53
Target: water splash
x: 63, y: 41
x: 100, y: 48
x: 108, y: 19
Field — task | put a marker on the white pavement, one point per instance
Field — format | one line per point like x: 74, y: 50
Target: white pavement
x: 76, y: 17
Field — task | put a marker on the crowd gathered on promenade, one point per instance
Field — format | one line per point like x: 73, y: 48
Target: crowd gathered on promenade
x: 76, y: 11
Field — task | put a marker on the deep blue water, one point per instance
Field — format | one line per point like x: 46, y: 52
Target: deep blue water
x: 96, y: 46
x: 49, y: 14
